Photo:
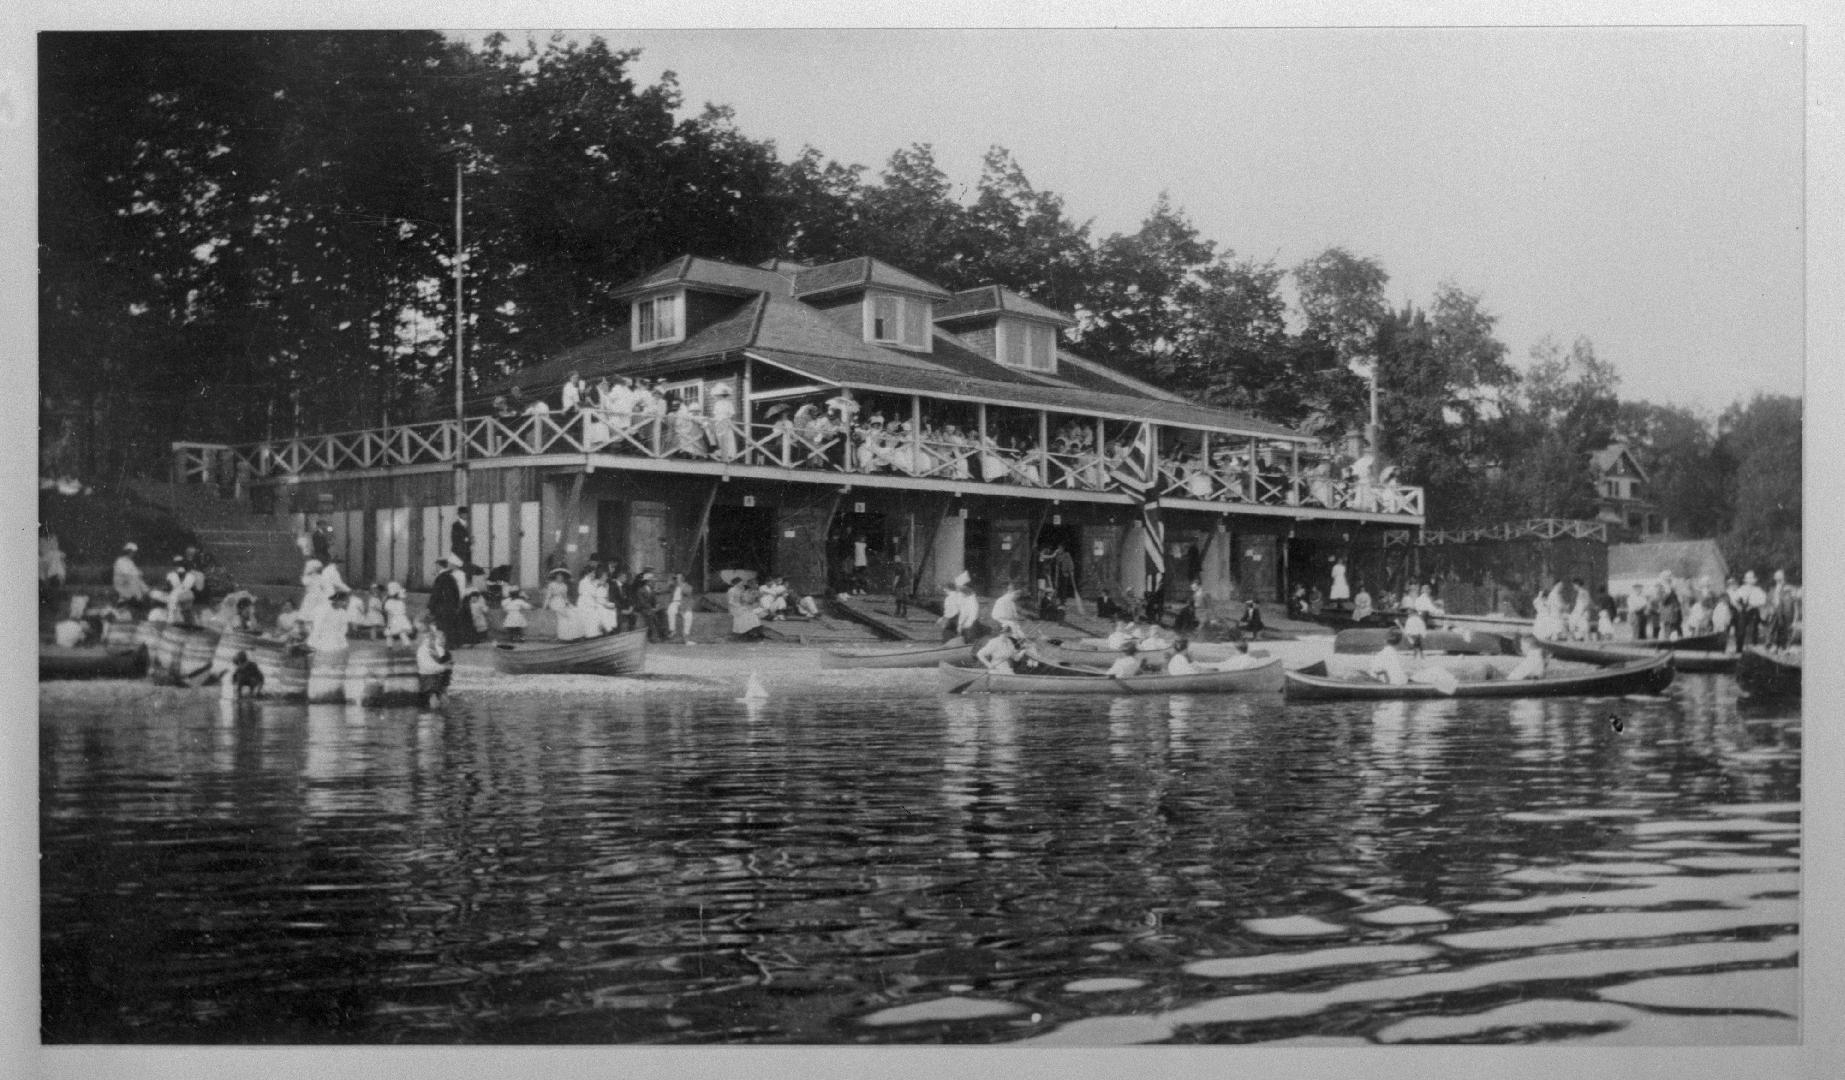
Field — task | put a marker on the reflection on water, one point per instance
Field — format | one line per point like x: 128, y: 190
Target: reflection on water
x: 842, y: 869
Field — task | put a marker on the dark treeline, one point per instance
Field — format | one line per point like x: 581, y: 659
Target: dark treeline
x: 245, y: 235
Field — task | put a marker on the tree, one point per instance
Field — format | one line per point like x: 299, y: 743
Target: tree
x: 1759, y: 445
x: 1564, y: 411
x: 1019, y: 236
x: 1138, y: 320
x: 911, y: 220
x: 1676, y: 448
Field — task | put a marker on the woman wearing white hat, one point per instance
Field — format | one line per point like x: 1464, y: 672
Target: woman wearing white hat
x: 130, y: 587
x: 960, y: 610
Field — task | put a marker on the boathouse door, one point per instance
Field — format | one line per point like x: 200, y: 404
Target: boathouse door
x: 649, y: 544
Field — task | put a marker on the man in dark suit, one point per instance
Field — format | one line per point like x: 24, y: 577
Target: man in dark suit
x: 445, y: 608
x: 461, y: 537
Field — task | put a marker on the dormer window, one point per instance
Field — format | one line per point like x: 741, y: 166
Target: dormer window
x: 1031, y: 346
x: 659, y: 320
x: 897, y: 319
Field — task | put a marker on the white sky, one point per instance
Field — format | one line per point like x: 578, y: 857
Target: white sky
x: 1639, y: 186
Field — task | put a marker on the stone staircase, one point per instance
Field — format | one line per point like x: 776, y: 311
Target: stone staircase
x: 248, y: 549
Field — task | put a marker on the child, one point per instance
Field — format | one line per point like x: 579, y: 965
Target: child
x: 397, y: 628
x: 371, y: 615
x: 434, y: 667
x: 246, y: 677
x: 477, y: 614
x: 287, y: 620
x: 515, y: 606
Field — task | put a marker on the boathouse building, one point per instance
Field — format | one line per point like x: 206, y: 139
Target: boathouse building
x: 962, y: 435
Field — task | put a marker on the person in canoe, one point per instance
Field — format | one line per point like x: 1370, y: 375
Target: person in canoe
x: 1181, y: 662
x: 1533, y: 665
x: 960, y: 611
x: 1387, y: 663
x: 1251, y: 624
x: 1128, y: 664
x: 1006, y: 610
x: 1009, y: 653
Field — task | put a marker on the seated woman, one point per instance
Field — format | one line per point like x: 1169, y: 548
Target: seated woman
x: 1128, y: 664
x: 808, y: 608
x: 742, y: 599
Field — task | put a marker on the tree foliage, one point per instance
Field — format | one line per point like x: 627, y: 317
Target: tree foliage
x: 252, y: 233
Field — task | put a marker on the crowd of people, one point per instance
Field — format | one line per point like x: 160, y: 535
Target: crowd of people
x: 1673, y: 607
x: 839, y: 434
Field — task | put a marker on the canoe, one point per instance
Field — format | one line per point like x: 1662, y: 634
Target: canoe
x: 89, y: 662
x: 1378, y: 620
x: 1650, y: 676
x: 1102, y: 657
x: 1605, y: 653
x: 899, y: 658
x: 1700, y: 643
x: 1764, y: 674
x: 1367, y: 640
x: 607, y: 654
x: 960, y: 680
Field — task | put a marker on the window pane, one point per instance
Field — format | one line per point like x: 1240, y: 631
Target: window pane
x: 1041, y: 337
x: 663, y: 316
x: 644, y: 311
x: 884, y: 318
x: 916, y: 323
x: 1014, y: 334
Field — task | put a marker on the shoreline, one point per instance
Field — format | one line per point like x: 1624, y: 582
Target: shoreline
x: 701, y: 669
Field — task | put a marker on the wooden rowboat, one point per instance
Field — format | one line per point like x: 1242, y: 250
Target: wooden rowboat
x: 899, y: 658
x: 960, y: 680
x: 1366, y: 640
x: 1699, y: 643
x: 89, y: 662
x: 1764, y: 674
x: 1621, y: 652
x: 608, y: 654
x: 1649, y: 676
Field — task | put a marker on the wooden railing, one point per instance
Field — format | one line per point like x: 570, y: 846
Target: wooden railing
x: 819, y: 448
x: 1529, y: 529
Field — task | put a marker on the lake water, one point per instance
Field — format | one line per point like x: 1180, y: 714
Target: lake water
x: 851, y: 868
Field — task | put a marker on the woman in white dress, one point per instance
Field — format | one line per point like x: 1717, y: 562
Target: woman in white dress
x: 1341, y: 589
x: 723, y: 413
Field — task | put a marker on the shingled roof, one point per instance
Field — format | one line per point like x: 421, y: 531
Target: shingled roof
x: 776, y: 328
x: 860, y: 273
x: 997, y: 300
x: 713, y: 275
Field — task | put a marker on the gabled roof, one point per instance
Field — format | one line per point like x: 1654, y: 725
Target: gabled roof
x: 1608, y: 459
x: 712, y: 275
x: 777, y: 328
x: 859, y: 273
x: 997, y: 300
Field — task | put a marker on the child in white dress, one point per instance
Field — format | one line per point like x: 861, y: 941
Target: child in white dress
x: 514, y: 607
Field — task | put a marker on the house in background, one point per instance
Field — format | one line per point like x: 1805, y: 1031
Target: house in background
x: 1621, y: 490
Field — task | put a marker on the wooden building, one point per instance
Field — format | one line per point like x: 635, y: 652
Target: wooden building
x: 814, y: 409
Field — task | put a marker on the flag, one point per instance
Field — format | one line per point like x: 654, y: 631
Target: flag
x: 1136, y: 477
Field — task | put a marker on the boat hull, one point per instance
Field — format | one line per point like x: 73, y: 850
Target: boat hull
x: 609, y: 654
x: 1763, y: 675
x: 1685, y: 660
x: 1263, y: 678
x: 55, y: 663
x: 1478, y: 643
x: 1649, y: 676
x: 899, y: 658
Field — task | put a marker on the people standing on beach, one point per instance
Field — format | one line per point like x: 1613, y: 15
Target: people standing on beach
x: 1751, y: 604
x: 461, y: 537
x: 1783, y: 611
x: 900, y: 583
x: 513, y: 608
x: 397, y: 627
x: 130, y: 587
x: 444, y: 596
x: 681, y: 601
